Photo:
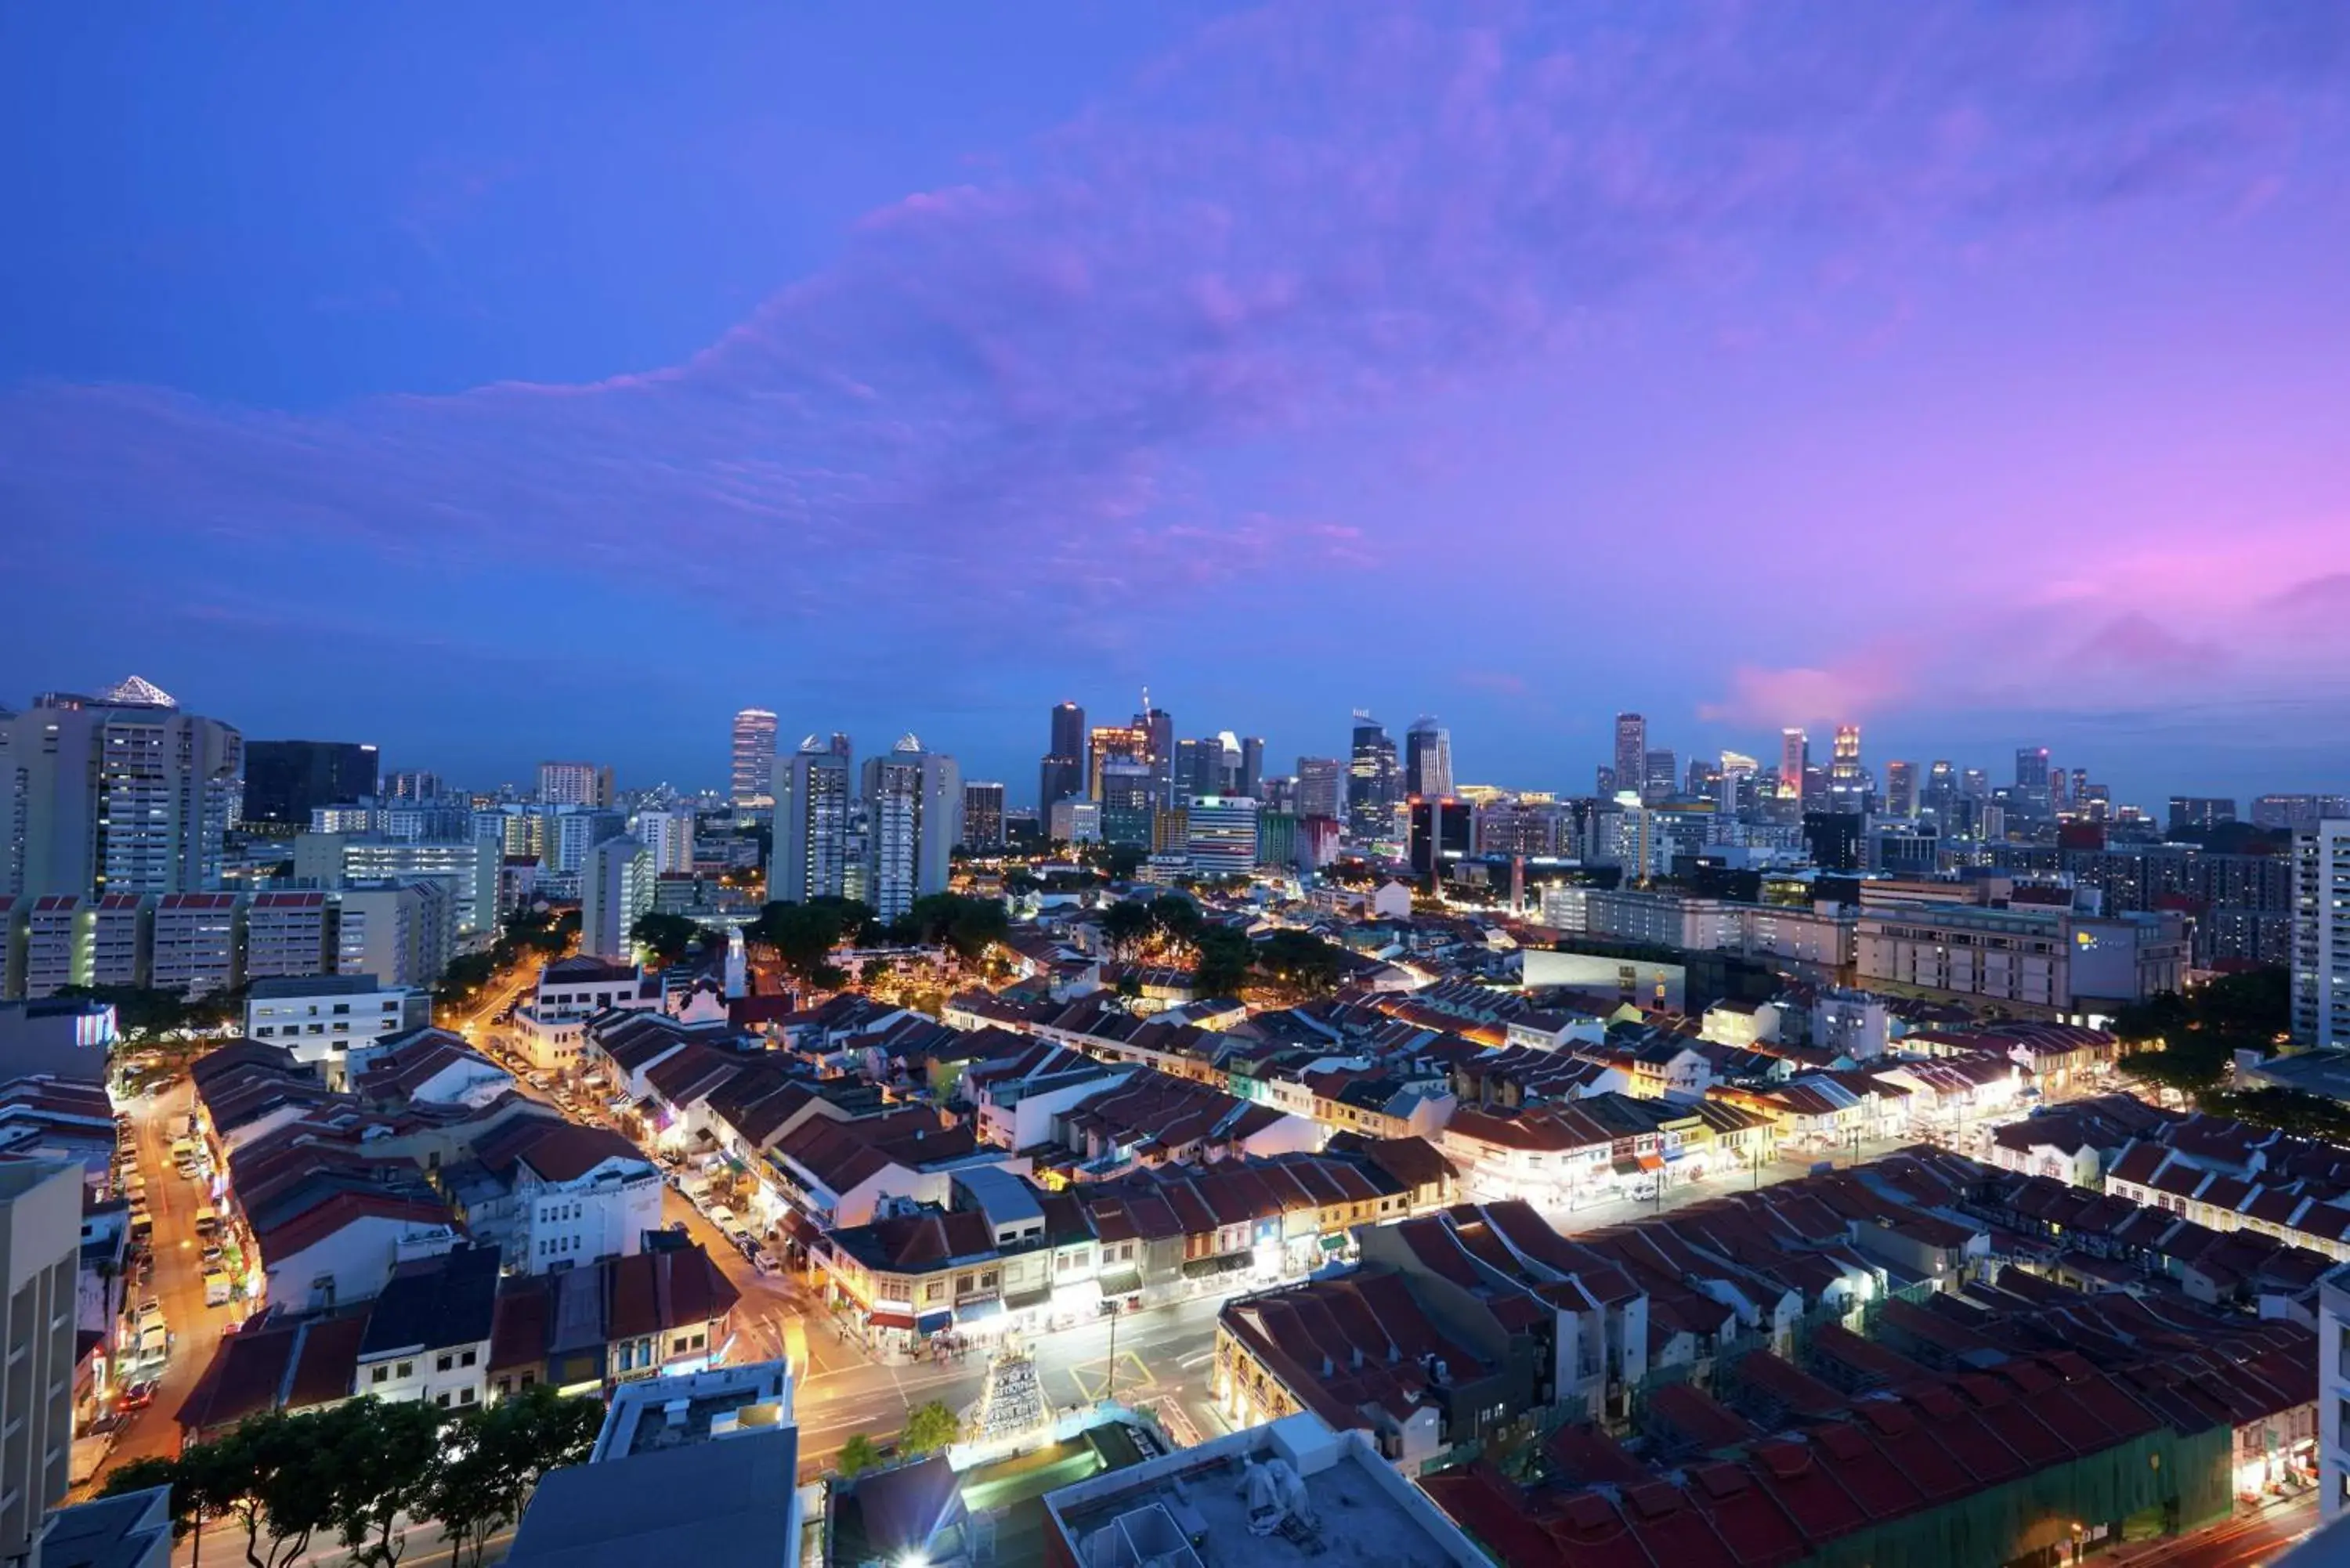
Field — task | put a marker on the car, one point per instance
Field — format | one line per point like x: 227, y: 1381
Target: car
x: 136, y: 1395
x: 148, y: 1308
x: 765, y: 1262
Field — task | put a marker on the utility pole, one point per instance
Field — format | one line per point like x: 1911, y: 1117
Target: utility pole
x: 1109, y: 1382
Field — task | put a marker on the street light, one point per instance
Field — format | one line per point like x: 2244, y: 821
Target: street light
x: 1109, y: 1382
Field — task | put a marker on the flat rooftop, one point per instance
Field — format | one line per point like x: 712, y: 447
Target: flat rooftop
x: 720, y: 1406
x: 1358, y: 1510
x: 728, y: 1503
x: 319, y: 985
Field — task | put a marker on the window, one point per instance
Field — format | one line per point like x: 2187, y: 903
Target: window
x: 934, y: 1290
x: 408, y: 1369
x: 701, y: 1341
x: 677, y: 1346
x: 528, y: 1379
x: 962, y: 1285
x: 987, y: 1280
x: 441, y: 1400
x: 465, y: 1397
x: 379, y: 1374
x: 469, y: 1358
x: 444, y: 1362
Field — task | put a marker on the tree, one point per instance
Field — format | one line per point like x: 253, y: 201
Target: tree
x: 804, y: 935
x: 1300, y: 963
x: 666, y: 937
x: 1176, y: 917
x: 466, y: 973
x: 1125, y: 926
x: 142, y: 1014
x: 384, y: 1456
x: 272, y: 1477
x: 495, y: 1455
x: 857, y: 1455
x: 1224, y: 958
x: 930, y: 1428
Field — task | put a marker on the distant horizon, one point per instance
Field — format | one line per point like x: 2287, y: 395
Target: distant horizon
x: 1021, y: 783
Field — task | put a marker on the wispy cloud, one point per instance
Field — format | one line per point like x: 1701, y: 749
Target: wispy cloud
x: 985, y: 415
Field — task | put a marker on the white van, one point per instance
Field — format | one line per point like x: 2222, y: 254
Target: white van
x: 216, y: 1288
x: 155, y: 1340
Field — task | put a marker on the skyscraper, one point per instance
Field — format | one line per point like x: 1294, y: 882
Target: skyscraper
x: 574, y: 783
x: 668, y: 838
x: 1158, y: 727
x: 1220, y: 836
x: 1128, y: 790
x: 2031, y: 778
x: 1631, y: 764
x: 751, y: 782
x: 1252, y: 780
x: 616, y: 890
x: 982, y: 816
x: 810, y: 857
x: 1321, y: 787
x: 1440, y: 834
x: 1659, y: 771
x: 2321, y: 943
x: 1794, y: 756
x: 1130, y: 742
x: 1901, y: 789
x: 1372, y: 782
x: 913, y: 804
x: 284, y: 779
x: 120, y: 793
x: 1063, y: 772
x: 1427, y: 758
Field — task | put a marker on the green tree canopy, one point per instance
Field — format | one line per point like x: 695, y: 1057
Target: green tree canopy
x: 664, y: 935
x: 857, y: 1455
x: 930, y: 1428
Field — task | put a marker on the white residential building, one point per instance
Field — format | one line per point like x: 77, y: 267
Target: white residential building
x: 400, y: 931
x: 320, y: 1017
x: 2321, y: 935
x: 668, y: 838
x: 615, y: 890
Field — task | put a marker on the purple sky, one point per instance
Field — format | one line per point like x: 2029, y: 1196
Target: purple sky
x: 500, y: 382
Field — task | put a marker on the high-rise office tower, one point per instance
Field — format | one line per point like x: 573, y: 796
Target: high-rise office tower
x: 615, y: 890
x: 1794, y: 757
x: 913, y: 807
x: 668, y: 838
x: 751, y: 780
x: 574, y: 783
x: 1942, y: 791
x: 982, y: 816
x: 2032, y: 777
x: 1372, y: 782
x: 284, y: 779
x: 1901, y: 789
x: 1321, y: 787
x: 1220, y: 836
x: 2321, y: 934
x: 1063, y: 772
x: 1441, y: 833
x: 1252, y: 780
x: 1631, y: 764
x: 1127, y: 742
x: 1659, y: 773
x: 2077, y: 797
x: 1735, y: 790
x: 1974, y: 783
x: 120, y: 793
x: 2200, y: 811
x: 1129, y: 792
x: 1428, y: 758
x: 1843, y: 764
x: 810, y: 857
x: 1158, y: 727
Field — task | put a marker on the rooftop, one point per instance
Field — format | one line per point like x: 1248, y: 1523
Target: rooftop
x: 318, y: 985
x: 1350, y: 1506
x: 680, y: 1412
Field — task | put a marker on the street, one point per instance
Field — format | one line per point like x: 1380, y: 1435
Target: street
x: 178, y: 1285
x: 1163, y: 1355
x: 1572, y: 1221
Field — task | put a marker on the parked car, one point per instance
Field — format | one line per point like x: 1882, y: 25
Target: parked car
x: 217, y: 1288
x: 150, y: 1308
x: 135, y: 1396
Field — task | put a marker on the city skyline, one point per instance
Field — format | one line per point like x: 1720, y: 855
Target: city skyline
x: 465, y: 386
